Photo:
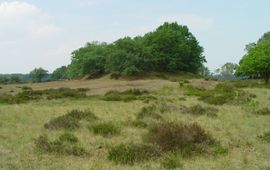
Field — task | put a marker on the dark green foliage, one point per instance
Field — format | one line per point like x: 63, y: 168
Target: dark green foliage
x: 128, y: 95
x: 59, y: 146
x: 264, y: 111
x: 170, y: 48
x: 256, y: 63
x: 265, y: 137
x: 133, y: 153
x: 172, y: 161
x: 60, y: 73
x: 148, y: 111
x: 105, y: 129
x: 70, y: 120
x: 1, y: 87
x: 200, y: 110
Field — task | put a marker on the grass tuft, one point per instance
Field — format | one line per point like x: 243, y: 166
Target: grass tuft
x: 200, y: 110
x: 128, y: 95
x: 172, y: 161
x: 106, y: 129
x: 149, y: 111
x: 59, y: 146
x: 133, y: 153
x: 265, y: 137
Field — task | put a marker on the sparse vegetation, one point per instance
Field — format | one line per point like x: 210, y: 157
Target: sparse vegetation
x: 149, y: 111
x: 172, y: 161
x: 265, y: 137
x: 133, y: 153
x: 200, y: 110
x: 263, y: 111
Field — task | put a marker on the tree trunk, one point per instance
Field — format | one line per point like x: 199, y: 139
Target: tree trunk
x: 266, y: 78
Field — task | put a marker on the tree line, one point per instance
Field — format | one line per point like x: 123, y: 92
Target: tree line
x: 170, y: 48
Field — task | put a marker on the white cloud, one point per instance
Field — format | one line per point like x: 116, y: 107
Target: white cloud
x: 20, y: 20
x: 195, y: 22
x: 29, y: 38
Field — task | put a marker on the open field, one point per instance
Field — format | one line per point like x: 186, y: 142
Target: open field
x: 235, y: 125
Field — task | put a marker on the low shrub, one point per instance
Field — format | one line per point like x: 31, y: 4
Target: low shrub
x: 133, y: 153
x: 172, y: 161
x: 127, y: 95
x: 265, y: 137
x: 263, y: 111
x: 1, y: 87
x: 26, y: 88
x: 139, y: 124
x: 68, y: 137
x: 105, y: 129
x: 49, y: 94
x: 189, y: 139
x: 222, y: 94
x: 70, y: 121
x: 58, y: 147
x: 149, y: 111
x: 200, y: 110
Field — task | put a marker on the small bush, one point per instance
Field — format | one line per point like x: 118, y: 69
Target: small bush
x: 1, y: 87
x: 58, y: 146
x: 26, y: 88
x: 128, y: 95
x: 70, y: 120
x: 265, y: 137
x: 105, y: 129
x: 200, y: 110
x: 149, y: 111
x: 68, y: 137
x: 133, y: 153
x: 264, y: 111
x: 188, y: 138
x: 172, y: 161
x: 139, y: 124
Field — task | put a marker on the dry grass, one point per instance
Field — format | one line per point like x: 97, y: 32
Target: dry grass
x: 236, y: 127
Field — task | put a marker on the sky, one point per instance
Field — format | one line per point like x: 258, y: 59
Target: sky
x: 43, y: 33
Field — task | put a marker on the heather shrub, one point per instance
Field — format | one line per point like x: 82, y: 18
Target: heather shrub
x: 133, y: 153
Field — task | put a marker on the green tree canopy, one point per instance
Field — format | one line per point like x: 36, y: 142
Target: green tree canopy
x: 170, y: 48
x: 38, y: 74
x: 59, y: 73
x: 257, y: 60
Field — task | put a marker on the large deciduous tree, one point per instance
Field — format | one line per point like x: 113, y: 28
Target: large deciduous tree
x: 257, y: 60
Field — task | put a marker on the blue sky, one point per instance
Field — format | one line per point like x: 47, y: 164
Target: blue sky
x: 43, y: 33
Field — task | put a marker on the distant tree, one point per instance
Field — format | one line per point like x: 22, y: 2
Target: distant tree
x: 15, y: 79
x: 228, y: 69
x: 59, y: 73
x: 257, y: 60
x: 204, y: 71
x: 38, y: 74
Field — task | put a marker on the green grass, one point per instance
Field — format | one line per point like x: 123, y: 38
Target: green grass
x: 240, y: 134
